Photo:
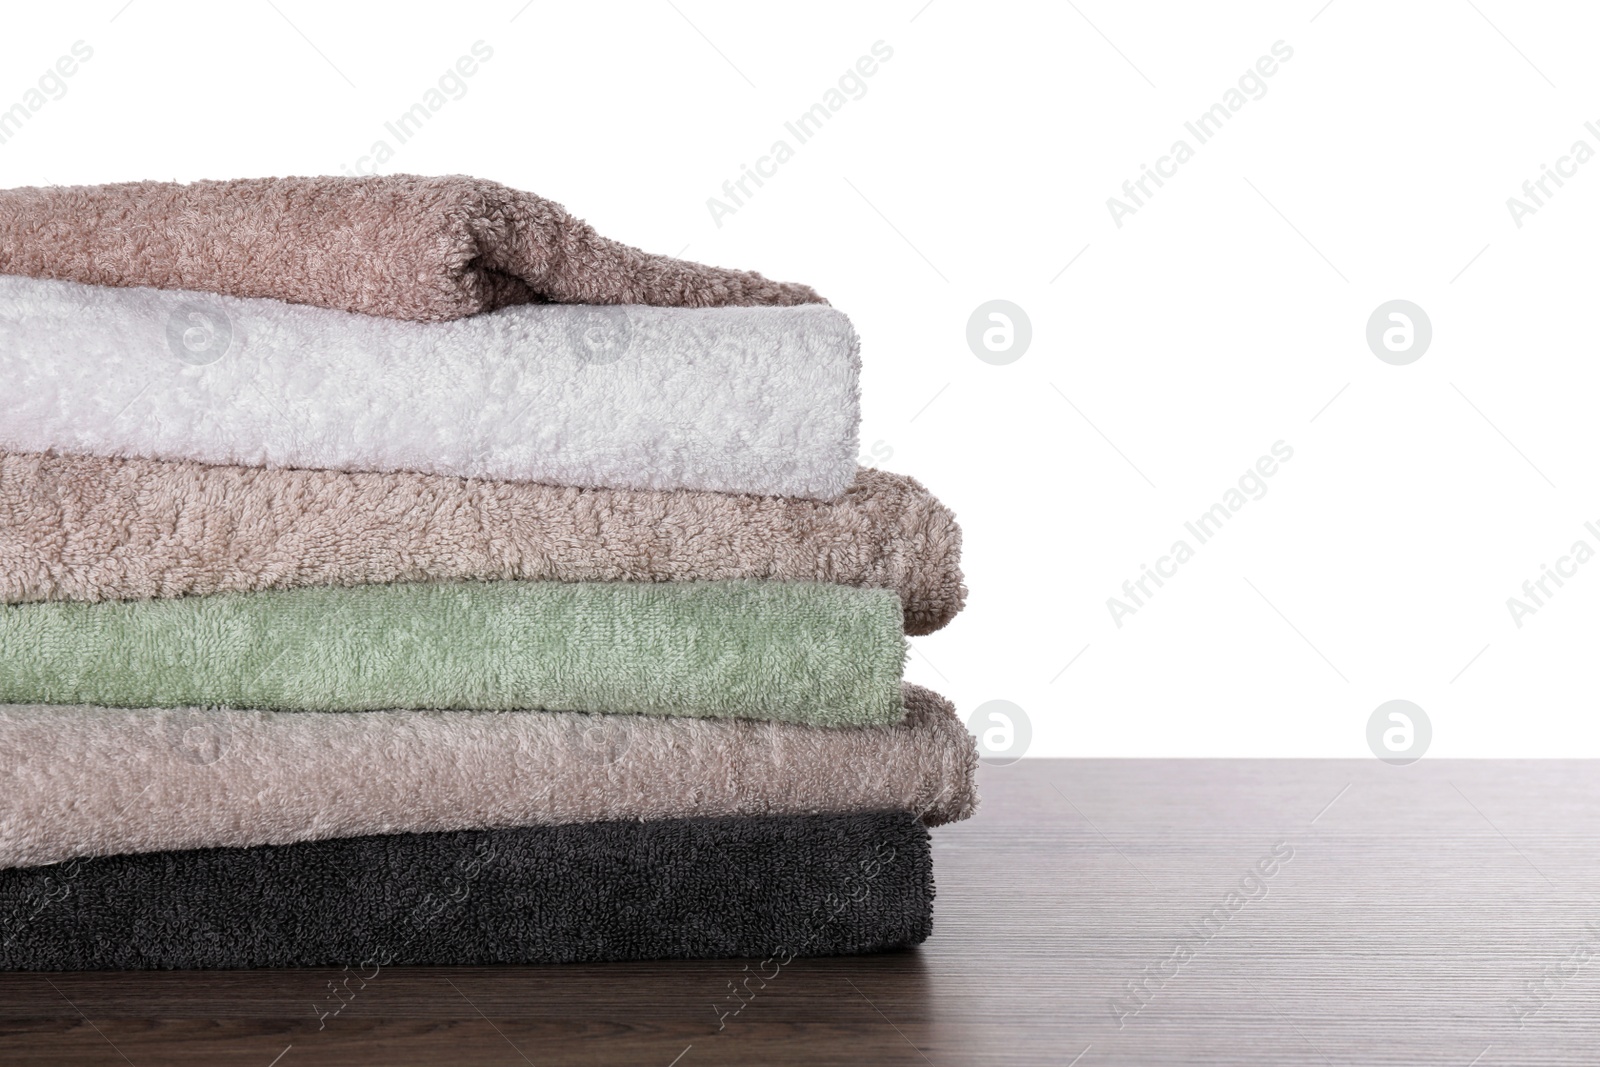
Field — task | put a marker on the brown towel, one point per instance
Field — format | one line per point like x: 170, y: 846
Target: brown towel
x: 91, y: 781
x: 89, y: 528
x: 401, y: 246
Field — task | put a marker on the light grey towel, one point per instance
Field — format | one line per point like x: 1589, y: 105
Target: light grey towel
x: 94, y: 781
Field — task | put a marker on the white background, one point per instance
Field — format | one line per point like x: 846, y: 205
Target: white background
x: 1222, y: 317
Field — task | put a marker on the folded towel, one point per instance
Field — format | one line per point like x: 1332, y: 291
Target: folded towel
x: 99, y: 781
x: 88, y: 528
x: 745, y: 400
x: 400, y: 246
x: 773, y: 887
x: 794, y: 651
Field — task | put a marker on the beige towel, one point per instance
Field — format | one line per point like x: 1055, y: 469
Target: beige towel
x: 86, y: 528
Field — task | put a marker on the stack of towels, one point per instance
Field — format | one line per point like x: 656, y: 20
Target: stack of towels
x: 394, y: 570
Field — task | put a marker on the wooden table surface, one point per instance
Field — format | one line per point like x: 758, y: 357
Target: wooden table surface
x: 1095, y: 912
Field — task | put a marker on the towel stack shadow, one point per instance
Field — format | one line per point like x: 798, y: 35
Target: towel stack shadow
x: 395, y: 571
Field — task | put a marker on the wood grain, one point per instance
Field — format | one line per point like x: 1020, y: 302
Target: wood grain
x: 1418, y: 903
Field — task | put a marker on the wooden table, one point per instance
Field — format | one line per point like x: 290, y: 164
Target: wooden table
x: 1443, y: 913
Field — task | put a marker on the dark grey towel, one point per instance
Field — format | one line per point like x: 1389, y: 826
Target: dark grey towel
x: 772, y: 886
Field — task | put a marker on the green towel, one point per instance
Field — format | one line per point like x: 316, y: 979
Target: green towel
x: 793, y: 651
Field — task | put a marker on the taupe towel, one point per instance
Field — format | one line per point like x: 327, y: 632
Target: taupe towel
x: 97, y: 781
x: 401, y: 246
x: 86, y: 528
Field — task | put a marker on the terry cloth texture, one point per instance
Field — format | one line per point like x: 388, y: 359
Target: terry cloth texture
x: 104, y: 781
x: 743, y: 400
x: 795, y: 651
x: 400, y: 246
x: 89, y: 528
x: 781, y: 885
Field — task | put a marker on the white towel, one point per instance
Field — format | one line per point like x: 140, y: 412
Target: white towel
x: 749, y: 399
